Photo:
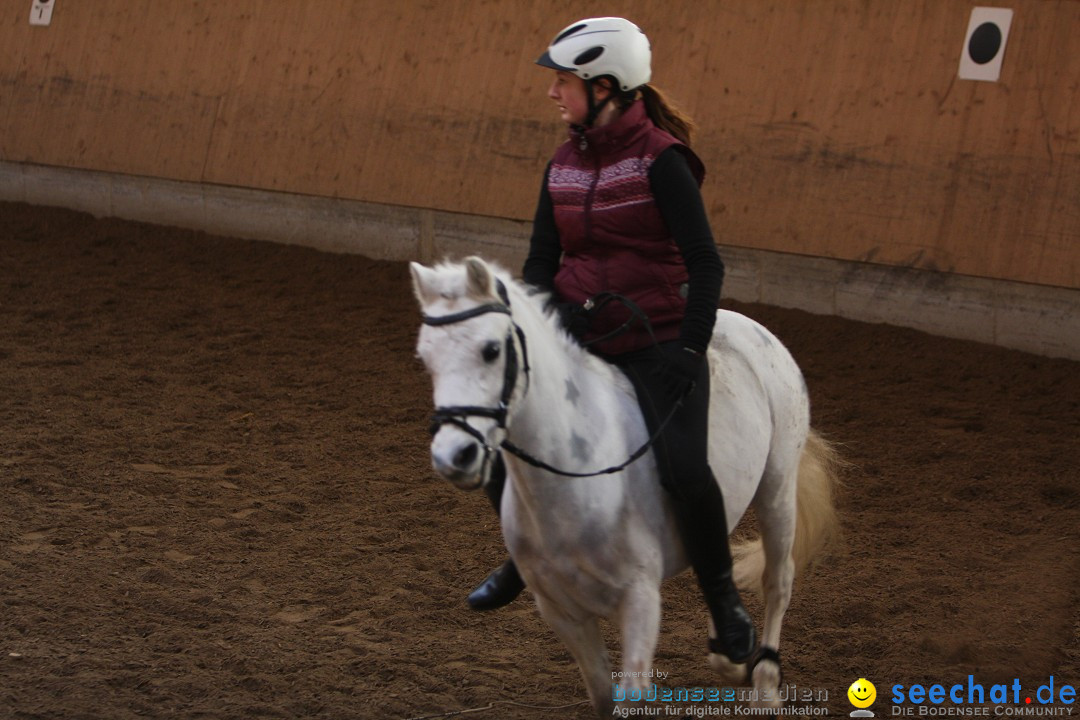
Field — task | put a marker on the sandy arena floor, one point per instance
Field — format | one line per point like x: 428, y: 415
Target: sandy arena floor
x: 216, y: 501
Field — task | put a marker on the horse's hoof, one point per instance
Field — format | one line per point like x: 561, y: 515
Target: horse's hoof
x: 731, y: 673
x: 766, y: 676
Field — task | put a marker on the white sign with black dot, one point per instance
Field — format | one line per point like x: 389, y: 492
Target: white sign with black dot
x: 984, y: 44
x: 41, y: 12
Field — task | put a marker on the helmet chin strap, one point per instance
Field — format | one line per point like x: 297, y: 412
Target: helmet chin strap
x: 595, y: 108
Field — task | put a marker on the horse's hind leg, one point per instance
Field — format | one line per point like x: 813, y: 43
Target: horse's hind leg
x: 582, y: 638
x: 776, y: 516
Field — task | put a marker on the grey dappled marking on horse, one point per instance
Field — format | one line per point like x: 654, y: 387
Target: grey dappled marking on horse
x: 599, y: 547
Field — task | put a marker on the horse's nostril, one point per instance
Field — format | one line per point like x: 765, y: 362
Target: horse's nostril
x: 466, y: 456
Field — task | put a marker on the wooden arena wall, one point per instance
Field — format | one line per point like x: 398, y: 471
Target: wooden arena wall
x: 831, y: 128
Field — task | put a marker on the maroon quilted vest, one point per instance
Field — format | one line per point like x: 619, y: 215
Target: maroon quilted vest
x: 613, y: 236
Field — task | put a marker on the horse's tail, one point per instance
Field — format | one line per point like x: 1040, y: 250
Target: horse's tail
x: 816, y: 521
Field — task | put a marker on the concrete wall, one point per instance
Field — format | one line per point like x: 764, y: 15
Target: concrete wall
x: 1033, y: 318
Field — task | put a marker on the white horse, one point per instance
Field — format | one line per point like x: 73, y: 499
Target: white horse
x: 505, y: 374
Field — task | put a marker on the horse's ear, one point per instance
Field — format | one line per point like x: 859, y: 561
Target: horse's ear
x: 481, y: 283
x: 422, y: 282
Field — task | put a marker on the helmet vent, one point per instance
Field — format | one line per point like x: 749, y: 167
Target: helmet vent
x: 567, y: 33
x: 589, y: 55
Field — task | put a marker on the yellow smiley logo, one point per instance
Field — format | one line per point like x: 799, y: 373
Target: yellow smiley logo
x: 862, y: 693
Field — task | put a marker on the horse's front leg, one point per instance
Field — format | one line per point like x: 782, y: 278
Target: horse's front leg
x: 639, y: 620
x: 582, y: 638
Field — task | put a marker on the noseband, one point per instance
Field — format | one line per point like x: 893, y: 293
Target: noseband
x: 458, y: 415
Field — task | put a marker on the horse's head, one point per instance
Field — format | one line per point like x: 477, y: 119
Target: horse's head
x: 476, y: 360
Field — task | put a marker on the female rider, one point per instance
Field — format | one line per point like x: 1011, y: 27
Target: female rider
x: 621, y: 212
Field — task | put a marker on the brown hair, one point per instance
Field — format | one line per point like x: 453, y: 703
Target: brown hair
x: 667, y: 116
x: 663, y: 112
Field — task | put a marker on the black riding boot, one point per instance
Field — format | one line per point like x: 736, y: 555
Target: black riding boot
x: 703, y: 528
x: 504, y: 583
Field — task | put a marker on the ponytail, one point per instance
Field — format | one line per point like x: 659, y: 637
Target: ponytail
x: 667, y: 116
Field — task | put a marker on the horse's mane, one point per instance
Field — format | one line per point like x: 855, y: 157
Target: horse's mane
x: 522, y: 293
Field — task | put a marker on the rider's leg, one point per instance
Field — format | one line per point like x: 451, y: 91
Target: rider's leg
x: 504, y: 583
x: 682, y: 458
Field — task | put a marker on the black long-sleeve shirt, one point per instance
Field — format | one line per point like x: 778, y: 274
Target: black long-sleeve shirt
x: 678, y: 198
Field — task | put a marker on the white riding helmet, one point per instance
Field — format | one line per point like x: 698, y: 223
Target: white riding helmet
x: 595, y: 47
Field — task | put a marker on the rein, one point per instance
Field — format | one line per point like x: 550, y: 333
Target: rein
x: 458, y: 415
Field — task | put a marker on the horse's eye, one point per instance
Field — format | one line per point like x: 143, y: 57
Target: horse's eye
x: 491, y: 352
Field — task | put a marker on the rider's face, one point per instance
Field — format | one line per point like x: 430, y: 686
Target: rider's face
x: 568, y: 92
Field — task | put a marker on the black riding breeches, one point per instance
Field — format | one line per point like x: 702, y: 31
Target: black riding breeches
x: 681, y: 450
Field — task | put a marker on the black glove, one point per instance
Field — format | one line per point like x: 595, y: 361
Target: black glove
x: 680, y: 372
x: 573, y: 317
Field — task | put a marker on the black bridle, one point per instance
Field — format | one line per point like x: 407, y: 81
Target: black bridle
x: 458, y: 415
